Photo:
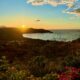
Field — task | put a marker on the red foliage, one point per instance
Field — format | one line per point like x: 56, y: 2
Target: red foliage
x: 71, y: 73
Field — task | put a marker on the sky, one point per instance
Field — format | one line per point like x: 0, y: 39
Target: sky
x: 47, y: 14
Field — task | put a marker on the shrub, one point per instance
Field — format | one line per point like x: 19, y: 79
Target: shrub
x: 3, y: 64
x: 9, y: 72
x: 71, y: 73
x: 51, y: 77
x: 37, y: 66
x: 72, y: 61
x: 14, y: 74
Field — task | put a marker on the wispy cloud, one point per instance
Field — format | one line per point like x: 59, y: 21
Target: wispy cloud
x: 37, y: 2
x: 73, y: 6
x: 51, y: 2
x: 74, y: 9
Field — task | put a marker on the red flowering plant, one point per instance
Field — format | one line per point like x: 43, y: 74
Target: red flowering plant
x: 71, y: 73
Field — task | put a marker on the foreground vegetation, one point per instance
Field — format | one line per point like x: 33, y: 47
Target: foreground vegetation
x: 39, y: 68
x: 29, y: 59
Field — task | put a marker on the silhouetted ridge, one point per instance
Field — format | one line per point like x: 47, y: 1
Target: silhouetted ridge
x: 10, y: 34
x: 32, y: 30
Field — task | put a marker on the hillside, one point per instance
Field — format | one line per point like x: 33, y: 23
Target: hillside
x: 32, y: 30
x: 15, y: 33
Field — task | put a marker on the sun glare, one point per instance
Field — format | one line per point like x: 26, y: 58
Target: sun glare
x: 22, y: 28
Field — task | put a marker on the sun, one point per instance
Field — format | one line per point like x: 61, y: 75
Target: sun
x: 22, y: 28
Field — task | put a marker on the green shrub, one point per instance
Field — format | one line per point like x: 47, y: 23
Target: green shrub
x: 51, y: 77
x: 37, y: 66
x: 9, y: 72
x: 16, y: 75
x: 3, y: 76
x: 72, y: 61
x: 3, y: 64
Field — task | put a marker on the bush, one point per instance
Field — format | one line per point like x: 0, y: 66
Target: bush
x: 16, y: 75
x: 71, y: 73
x: 51, y: 77
x: 37, y: 66
x: 9, y: 72
x: 3, y: 64
x: 72, y: 61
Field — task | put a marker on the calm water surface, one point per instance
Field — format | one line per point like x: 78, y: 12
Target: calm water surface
x: 58, y: 35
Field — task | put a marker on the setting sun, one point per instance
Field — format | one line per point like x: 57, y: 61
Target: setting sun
x: 22, y: 28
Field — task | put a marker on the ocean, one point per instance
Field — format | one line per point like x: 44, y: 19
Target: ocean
x: 57, y: 35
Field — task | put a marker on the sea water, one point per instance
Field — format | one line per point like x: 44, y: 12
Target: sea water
x: 58, y: 35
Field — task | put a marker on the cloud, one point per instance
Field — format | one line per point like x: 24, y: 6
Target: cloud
x: 37, y: 2
x: 51, y: 2
x: 75, y: 9
x: 73, y: 6
x: 76, y: 12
